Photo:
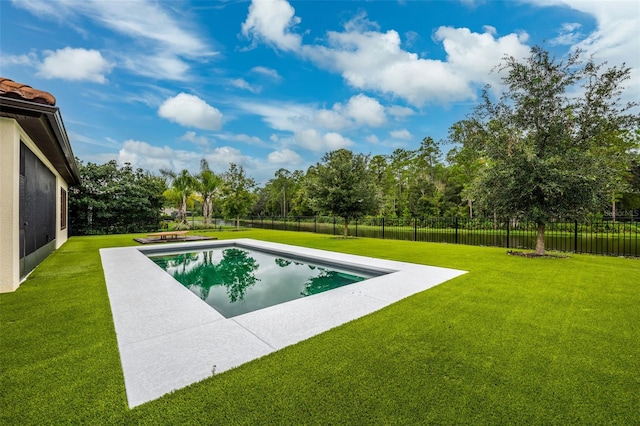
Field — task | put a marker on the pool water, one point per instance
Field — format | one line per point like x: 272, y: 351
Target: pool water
x: 237, y: 280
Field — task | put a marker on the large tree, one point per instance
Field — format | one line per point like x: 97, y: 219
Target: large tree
x: 343, y: 185
x: 237, y: 193
x: 465, y: 160
x: 278, y: 194
x: 113, y: 199
x: 554, y: 140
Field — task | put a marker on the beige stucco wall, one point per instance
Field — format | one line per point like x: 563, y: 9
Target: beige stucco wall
x: 11, y: 134
x: 9, y: 204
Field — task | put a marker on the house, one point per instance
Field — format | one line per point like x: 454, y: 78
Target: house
x: 37, y: 167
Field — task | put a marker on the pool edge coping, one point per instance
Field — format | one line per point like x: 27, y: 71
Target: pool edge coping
x: 151, y: 337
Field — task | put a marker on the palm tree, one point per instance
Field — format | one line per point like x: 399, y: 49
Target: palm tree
x: 184, y: 184
x: 207, y: 184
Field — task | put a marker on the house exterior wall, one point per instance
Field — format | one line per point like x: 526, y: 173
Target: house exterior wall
x: 11, y: 136
x: 9, y: 205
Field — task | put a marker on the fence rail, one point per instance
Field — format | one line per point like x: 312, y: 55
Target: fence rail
x: 620, y: 237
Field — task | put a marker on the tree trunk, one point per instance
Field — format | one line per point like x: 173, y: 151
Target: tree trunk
x: 346, y: 228
x: 470, y: 202
x: 184, y: 209
x: 238, y: 223
x: 613, y: 210
x: 205, y: 210
x: 540, y: 239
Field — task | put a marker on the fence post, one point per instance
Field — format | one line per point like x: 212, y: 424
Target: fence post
x: 383, y: 228
x: 456, y: 225
x: 415, y: 229
x: 334, y: 225
x: 575, y: 236
x: 315, y: 224
x: 508, y: 237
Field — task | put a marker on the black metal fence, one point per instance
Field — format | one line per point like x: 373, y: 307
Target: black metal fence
x: 620, y: 237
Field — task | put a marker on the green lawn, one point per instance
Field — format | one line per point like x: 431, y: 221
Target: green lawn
x: 516, y: 340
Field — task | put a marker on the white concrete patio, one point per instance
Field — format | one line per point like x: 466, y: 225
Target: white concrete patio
x: 168, y: 338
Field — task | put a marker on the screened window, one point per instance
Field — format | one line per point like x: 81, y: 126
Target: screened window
x: 63, y: 209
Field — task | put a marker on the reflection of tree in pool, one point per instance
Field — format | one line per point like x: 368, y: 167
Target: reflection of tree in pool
x: 195, y: 277
x: 327, y: 280
x: 283, y: 263
x: 181, y: 260
x: 234, y: 271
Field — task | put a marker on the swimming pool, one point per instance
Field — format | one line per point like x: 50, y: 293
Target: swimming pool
x: 168, y: 338
x: 236, y: 280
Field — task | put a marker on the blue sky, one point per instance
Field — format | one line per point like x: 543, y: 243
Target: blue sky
x: 271, y: 84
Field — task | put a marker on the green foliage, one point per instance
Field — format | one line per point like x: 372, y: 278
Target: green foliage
x: 630, y: 199
x: 504, y: 343
x: 113, y: 200
x: 556, y: 142
x: 183, y: 185
x: 208, y: 185
x: 282, y: 195
x: 343, y: 185
x: 236, y: 190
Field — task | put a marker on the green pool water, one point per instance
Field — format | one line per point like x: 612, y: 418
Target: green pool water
x: 237, y: 280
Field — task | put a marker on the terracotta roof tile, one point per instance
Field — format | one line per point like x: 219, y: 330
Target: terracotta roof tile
x: 11, y: 89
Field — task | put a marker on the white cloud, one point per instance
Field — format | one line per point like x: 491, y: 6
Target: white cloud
x: 191, y: 111
x: 369, y: 59
x: 192, y: 137
x: 332, y: 119
x: 74, y: 64
x: 372, y: 139
x: 472, y: 56
x: 142, y: 154
x: 241, y: 83
x: 401, y: 134
x: 285, y: 116
x: 153, y: 158
x: 161, y: 65
x: 241, y: 137
x: 284, y: 156
x: 360, y: 110
x: 321, y: 142
x: 151, y: 26
x: 269, y: 72
x: 490, y: 29
x: 366, y: 110
x: 568, y: 34
x: 271, y: 22
x: 30, y: 59
x: 106, y: 143
x: 221, y: 157
x: 616, y: 38
x: 140, y: 20
x: 400, y: 112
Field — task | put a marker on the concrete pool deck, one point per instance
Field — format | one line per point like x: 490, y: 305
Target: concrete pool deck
x: 168, y: 338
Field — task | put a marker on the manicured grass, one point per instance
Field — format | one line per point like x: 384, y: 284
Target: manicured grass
x: 516, y: 340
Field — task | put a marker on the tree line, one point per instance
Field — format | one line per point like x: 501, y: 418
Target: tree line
x: 557, y: 143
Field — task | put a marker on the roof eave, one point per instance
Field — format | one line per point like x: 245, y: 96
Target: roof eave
x: 50, y: 117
